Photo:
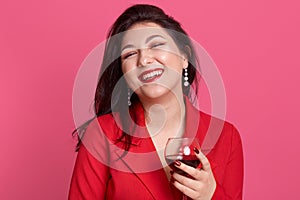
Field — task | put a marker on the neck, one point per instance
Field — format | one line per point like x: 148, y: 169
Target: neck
x: 165, y: 117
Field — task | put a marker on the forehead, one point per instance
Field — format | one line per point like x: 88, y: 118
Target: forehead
x: 141, y: 31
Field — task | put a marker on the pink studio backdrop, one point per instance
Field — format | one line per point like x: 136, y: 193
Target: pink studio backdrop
x: 254, y: 43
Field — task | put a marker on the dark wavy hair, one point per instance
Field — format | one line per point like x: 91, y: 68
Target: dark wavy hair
x: 105, y: 102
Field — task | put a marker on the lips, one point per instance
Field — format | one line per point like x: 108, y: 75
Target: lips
x: 150, y: 75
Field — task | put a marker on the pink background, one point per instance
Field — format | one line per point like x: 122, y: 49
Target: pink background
x: 254, y: 43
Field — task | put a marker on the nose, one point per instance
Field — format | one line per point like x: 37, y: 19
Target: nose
x: 145, y: 57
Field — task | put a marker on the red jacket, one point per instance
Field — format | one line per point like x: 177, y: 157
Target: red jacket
x: 103, y: 172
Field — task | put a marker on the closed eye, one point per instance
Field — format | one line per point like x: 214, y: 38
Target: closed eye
x: 127, y: 55
x: 157, y: 45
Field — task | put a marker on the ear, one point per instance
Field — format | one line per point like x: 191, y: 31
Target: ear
x: 186, y: 56
x: 185, y: 62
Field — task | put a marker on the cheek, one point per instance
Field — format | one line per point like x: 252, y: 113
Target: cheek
x: 130, y: 74
x: 128, y: 69
x: 125, y: 67
x: 172, y: 61
x: 165, y: 59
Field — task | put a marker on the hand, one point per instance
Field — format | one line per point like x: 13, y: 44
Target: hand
x: 203, y: 184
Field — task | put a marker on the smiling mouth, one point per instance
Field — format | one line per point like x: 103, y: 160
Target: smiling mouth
x: 150, y: 75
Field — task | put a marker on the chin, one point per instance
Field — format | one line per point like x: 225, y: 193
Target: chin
x: 152, y: 92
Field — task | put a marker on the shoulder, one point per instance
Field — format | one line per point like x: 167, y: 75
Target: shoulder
x: 108, y: 120
x: 110, y: 125
x: 102, y: 128
x: 211, y: 122
x: 219, y: 132
x: 222, y: 141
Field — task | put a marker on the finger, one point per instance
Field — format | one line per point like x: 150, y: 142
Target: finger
x: 184, y: 189
x: 195, y: 173
x: 203, y: 159
x: 188, y: 182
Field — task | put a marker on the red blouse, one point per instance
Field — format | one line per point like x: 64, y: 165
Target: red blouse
x: 102, y: 171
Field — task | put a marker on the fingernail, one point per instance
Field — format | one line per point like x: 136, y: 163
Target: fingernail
x: 171, y: 172
x: 177, y: 163
x: 196, y: 150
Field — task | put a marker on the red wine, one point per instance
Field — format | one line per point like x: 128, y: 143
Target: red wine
x: 190, y: 160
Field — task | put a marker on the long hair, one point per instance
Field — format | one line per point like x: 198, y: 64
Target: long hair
x: 109, y: 97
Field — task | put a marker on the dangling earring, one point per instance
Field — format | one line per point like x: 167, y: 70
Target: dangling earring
x: 186, y: 78
x: 128, y: 98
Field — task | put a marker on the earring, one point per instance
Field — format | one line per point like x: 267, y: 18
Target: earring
x: 128, y: 98
x: 186, y: 78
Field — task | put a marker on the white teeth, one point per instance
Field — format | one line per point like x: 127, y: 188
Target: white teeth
x: 152, y: 74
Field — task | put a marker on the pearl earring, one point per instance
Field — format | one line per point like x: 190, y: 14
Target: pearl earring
x: 128, y: 98
x: 186, y: 78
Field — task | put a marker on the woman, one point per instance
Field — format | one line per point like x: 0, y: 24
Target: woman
x: 142, y: 99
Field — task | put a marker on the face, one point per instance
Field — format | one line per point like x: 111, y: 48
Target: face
x: 151, y: 61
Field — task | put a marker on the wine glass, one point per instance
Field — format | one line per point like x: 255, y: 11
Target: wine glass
x: 182, y: 149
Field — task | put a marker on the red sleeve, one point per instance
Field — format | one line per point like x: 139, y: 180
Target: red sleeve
x: 231, y: 187
x: 91, y: 174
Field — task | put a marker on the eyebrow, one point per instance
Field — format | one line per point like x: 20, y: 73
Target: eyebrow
x: 147, y: 40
